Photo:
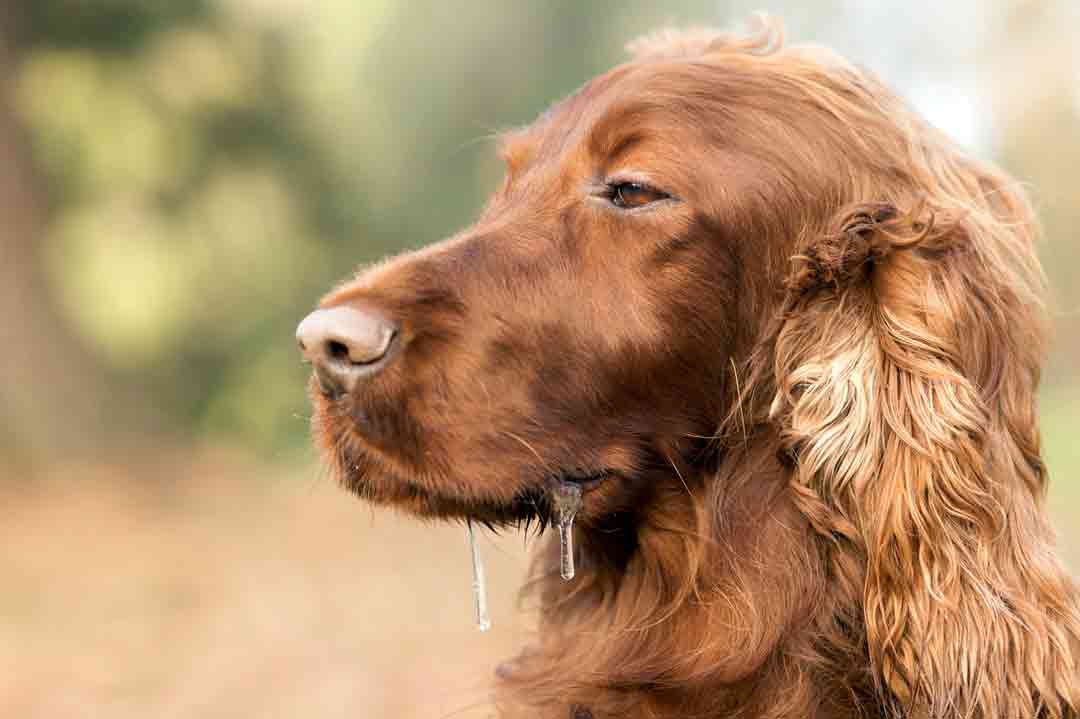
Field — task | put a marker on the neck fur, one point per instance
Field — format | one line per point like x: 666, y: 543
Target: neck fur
x: 711, y: 604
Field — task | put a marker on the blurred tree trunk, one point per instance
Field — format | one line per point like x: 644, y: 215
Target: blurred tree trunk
x: 52, y: 391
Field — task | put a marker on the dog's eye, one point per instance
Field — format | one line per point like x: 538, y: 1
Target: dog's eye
x: 628, y: 195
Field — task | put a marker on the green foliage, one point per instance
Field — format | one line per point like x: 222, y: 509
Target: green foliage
x: 115, y: 26
x: 194, y: 215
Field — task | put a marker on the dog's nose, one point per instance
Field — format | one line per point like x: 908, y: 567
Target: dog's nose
x: 345, y: 344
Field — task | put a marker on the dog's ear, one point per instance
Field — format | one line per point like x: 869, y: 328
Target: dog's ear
x: 906, y: 364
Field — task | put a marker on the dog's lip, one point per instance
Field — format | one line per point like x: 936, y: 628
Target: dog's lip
x: 530, y: 503
x: 589, y: 480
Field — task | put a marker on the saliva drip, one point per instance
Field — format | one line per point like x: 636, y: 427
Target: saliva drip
x: 565, y: 503
x: 479, y: 587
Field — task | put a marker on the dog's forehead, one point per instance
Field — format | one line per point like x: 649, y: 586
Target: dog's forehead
x: 554, y: 127
x: 603, y: 108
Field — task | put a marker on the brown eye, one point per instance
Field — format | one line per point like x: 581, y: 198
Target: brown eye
x: 628, y: 195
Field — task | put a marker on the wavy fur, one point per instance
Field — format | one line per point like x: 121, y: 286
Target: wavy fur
x: 898, y: 385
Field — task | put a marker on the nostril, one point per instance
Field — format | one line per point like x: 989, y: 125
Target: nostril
x: 338, y: 351
x: 346, y: 343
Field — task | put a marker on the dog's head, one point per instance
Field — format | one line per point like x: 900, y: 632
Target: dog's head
x: 718, y: 236
x: 584, y: 328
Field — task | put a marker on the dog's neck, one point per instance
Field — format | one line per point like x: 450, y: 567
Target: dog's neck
x: 682, y: 618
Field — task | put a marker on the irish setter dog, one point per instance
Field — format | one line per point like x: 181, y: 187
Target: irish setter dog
x: 785, y: 336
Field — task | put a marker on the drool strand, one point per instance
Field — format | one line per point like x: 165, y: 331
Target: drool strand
x: 479, y: 588
x: 565, y: 503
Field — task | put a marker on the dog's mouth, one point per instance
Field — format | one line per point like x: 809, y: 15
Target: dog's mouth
x: 537, y: 504
x: 533, y: 507
x: 552, y: 499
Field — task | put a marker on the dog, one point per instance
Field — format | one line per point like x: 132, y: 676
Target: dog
x: 784, y: 337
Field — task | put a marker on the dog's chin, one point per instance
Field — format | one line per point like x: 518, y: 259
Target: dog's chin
x: 385, y: 489
x: 530, y: 506
x: 376, y: 475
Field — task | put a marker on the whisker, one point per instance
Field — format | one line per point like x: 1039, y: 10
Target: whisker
x: 531, y: 449
x: 739, y: 399
x: 679, y: 475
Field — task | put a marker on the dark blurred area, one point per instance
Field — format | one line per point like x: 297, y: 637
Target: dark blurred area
x: 179, y: 183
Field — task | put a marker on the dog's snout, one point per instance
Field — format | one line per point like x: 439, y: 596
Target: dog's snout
x: 345, y: 344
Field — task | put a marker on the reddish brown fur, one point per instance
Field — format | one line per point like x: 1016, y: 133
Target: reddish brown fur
x: 810, y: 376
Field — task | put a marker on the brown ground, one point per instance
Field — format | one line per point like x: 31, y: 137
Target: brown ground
x: 230, y: 594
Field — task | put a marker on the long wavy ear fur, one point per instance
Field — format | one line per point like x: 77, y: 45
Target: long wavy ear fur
x: 906, y: 369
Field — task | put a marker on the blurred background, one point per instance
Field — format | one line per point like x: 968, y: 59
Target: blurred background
x: 181, y: 180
